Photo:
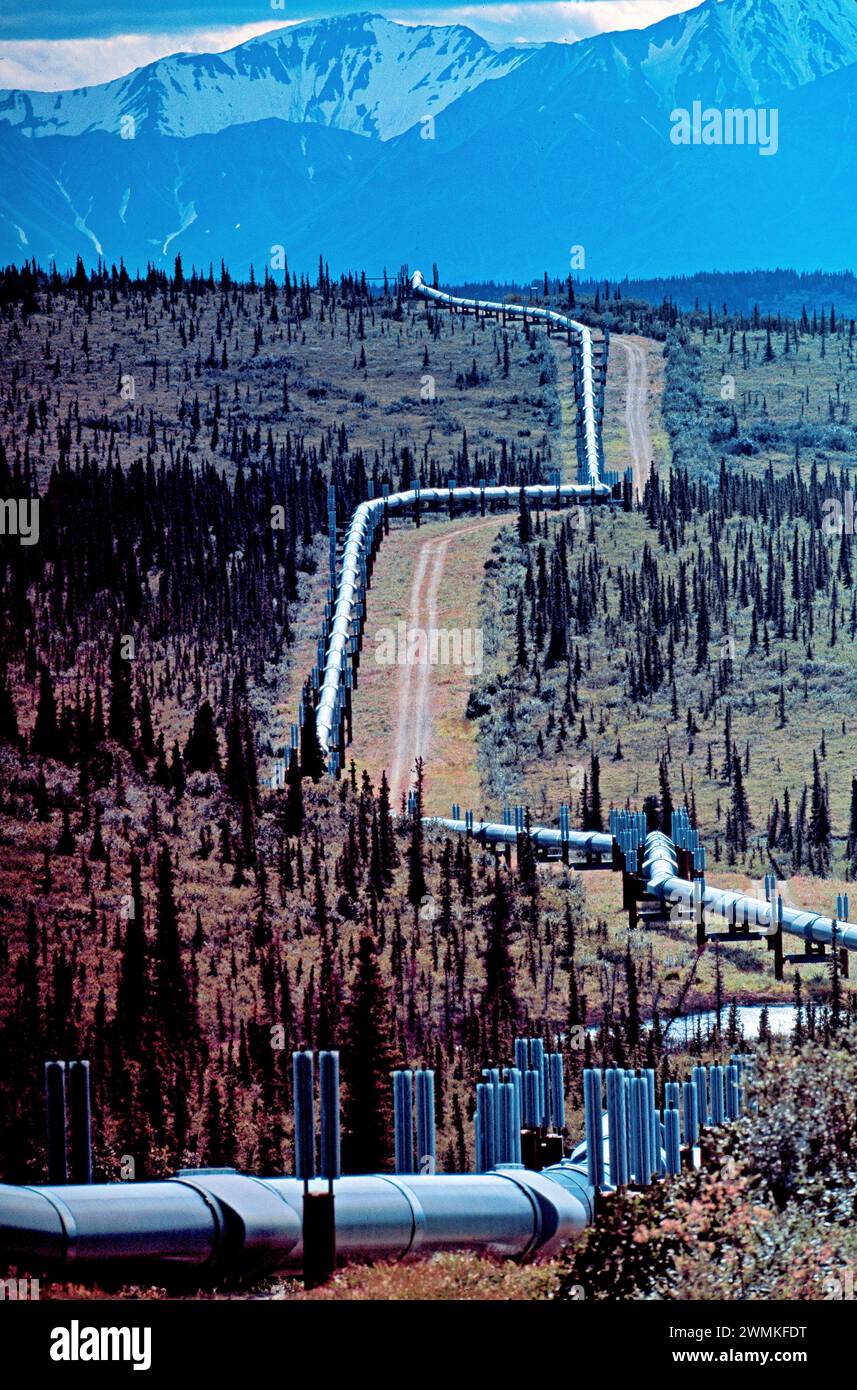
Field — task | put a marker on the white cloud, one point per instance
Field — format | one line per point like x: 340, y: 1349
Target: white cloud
x: 50, y: 65
x: 562, y: 21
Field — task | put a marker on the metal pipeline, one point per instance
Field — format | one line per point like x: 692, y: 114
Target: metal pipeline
x: 361, y: 529
x: 235, y: 1223
x: 350, y: 586
x: 581, y: 332
x: 491, y: 832
x: 660, y: 864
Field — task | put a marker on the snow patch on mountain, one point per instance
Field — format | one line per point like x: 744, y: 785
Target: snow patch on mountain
x: 360, y: 73
x: 746, y: 49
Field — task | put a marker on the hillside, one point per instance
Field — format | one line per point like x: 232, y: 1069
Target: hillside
x: 181, y: 435
x: 172, y: 919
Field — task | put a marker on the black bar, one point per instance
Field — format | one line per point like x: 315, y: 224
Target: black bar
x: 319, y: 1238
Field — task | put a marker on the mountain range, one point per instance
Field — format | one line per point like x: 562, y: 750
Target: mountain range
x: 375, y: 143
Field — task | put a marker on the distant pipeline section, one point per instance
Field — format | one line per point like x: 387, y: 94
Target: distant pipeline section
x: 589, y: 369
x: 361, y: 540
x: 653, y: 859
x: 334, y: 677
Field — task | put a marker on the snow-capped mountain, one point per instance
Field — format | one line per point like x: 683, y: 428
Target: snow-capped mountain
x: 359, y: 73
x: 739, y: 50
x: 721, y: 52
x: 312, y: 139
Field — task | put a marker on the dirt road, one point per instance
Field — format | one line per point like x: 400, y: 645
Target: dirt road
x: 414, y: 711
x: 413, y: 720
x: 636, y: 408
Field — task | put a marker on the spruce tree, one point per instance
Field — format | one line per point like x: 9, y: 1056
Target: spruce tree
x: 525, y: 527
x: 501, y: 1005
x: 201, y: 752
x: 595, y: 819
x: 293, y: 808
x: 45, y: 737
x: 172, y: 998
x: 120, y: 722
x: 8, y: 718
x: 312, y: 757
x: 417, y: 886
x: 368, y: 1062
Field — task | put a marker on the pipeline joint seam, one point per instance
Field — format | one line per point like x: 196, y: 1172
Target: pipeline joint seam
x: 219, y: 1215
x: 68, y: 1225
x: 535, y: 1241
x: 418, y: 1216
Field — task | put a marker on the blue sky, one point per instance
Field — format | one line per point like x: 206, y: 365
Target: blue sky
x: 51, y: 46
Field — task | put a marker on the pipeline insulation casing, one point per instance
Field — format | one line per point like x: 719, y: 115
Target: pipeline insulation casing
x: 235, y: 1223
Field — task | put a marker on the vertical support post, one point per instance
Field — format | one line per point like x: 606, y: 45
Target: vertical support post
x: 777, y: 940
x: 426, y: 1150
x: 699, y: 910
x: 700, y: 1078
x: 537, y: 1061
x: 319, y: 1220
x: 672, y: 1142
x: 302, y: 1076
x: 512, y: 1076
x: 594, y: 1126
x: 403, y: 1119
x: 80, y: 1129
x: 319, y: 1240
x: 733, y: 1092
x: 531, y: 1098
x: 617, y: 1124
x: 319, y: 1207
x: 557, y: 1091
x: 328, y: 1084
x: 639, y: 1124
x: 319, y: 1230
x: 631, y: 1098
x: 485, y: 1128
x: 717, y: 1107
x: 655, y: 1154
x: 691, y: 1113
x: 56, y: 1121
x: 510, y: 1139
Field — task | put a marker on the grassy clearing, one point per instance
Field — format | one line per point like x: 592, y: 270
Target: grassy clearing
x: 804, y: 396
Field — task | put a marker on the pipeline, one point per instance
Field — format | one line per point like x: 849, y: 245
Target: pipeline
x: 229, y: 1223
x: 215, y: 1223
x: 351, y: 585
x: 582, y: 336
x: 588, y: 842
x: 661, y: 880
x: 660, y: 864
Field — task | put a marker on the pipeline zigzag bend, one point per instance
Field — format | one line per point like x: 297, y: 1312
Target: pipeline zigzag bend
x: 591, y: 488
x: 229, y: 1222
